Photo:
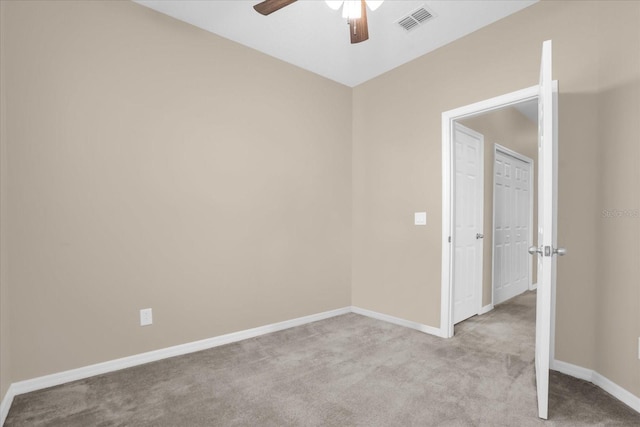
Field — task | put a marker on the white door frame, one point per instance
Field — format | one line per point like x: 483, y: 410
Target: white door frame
x: 530, y: 162
x: 448, y: 118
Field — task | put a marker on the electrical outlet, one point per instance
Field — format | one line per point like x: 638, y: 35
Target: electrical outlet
x: 146, y: 317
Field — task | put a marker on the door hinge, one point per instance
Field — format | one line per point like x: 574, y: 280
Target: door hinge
x: 449, y: 239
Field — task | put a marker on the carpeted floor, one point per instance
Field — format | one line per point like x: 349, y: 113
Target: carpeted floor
x: 345, y: 371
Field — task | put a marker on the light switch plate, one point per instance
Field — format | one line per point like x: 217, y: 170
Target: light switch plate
x: 420, y: 218
x: 146, y: 317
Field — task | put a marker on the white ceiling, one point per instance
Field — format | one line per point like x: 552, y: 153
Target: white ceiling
x: 312, y: 36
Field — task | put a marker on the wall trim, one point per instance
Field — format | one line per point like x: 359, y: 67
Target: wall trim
x: 599, y: 380
x: 484, y: 310
x: 398, y: 321
x: 51, y: 380
x: 572, y: 370
x: 7, y: 400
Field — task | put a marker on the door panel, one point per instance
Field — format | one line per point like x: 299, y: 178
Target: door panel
x: 547, y: 215
x: 511, y: 226
x: 522, y: 221
x: 467, y: 271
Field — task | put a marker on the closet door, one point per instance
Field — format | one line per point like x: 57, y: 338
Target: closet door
x: 512, y: 216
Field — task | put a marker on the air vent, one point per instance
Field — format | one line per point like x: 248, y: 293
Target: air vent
x: 415, y: 18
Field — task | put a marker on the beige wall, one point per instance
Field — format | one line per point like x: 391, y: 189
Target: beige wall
x: 153, y: 164
x: 397, y: 170
x: 508, y: 128
x: 5, y: 369
x: 618, y: 215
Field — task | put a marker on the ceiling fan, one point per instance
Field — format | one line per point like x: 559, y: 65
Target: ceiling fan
x: 354, y: 10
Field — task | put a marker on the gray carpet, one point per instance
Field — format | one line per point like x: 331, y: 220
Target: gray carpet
x: 345, y: 371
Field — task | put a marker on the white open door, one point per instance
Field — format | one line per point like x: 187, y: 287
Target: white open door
x: 468, y: 182
x: 547, y: 216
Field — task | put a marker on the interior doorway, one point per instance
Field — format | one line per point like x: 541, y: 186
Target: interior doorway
x: 500, y: 240
x: 528, y: 96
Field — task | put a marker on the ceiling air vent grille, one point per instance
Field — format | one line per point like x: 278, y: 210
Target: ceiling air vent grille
x: 415, y: 18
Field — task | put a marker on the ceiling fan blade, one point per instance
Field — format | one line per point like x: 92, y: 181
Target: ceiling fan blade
x: 358, y: 28
x: 270, y: 6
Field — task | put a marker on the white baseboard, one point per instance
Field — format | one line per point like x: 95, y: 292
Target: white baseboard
x: 533, y: 287
x: 398, y: 321
x: 487, y: 308
x: 7, y: 400
x: 572, y: 370
x: 616, y: 391
x: 600, y: 380
x: 45, y: 381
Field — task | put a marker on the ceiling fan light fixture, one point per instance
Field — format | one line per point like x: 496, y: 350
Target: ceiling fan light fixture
x: 374, y: 4
x: 351, y: 8
x: 334, y: 4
